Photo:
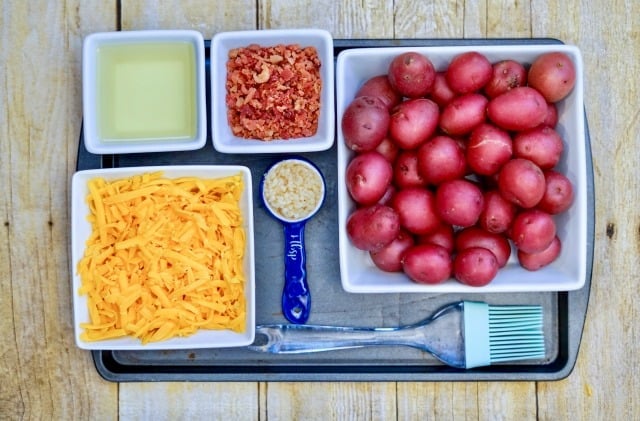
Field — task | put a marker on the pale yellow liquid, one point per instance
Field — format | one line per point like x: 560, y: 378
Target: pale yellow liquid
x: 147, y: 91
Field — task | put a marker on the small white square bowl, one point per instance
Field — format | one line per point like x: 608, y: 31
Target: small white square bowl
x: 81, y: 229
x: 567, y: 272
x: 143, y: 76
x: 223, y: 139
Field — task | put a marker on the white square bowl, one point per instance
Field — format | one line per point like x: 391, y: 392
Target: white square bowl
x: 223, y: 139
x: 567, y: 272
x: 166, y: 72
x: 81, y: 229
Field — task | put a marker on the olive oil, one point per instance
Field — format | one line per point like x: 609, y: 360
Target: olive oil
x: 147, y: 91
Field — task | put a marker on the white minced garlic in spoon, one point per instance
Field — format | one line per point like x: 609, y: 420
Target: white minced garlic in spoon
x: 293, y: 189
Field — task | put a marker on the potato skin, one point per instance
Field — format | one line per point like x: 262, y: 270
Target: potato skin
x: 411, y: 74
x: 373, y: 227
x: 497, y: 244
x: 533, y: 231
x: 488, y: 149
x: 413, y: 122
x: 506, y: 75
x: 441, y: 159
x: 365, y: 123
x: 367, y: 176
x: 553, y: 75
x: 459, y: 202
x: 542, y: 145
x: 427, y: 264
x: 498, y: 213
x: 475, y: 266
x: 558, y: 195
x: 521, y: 182
x: 417, y: 210
x: 389, y: 257
x: 406, y: 172
x: 518, y: 109
x: 468, y: 72
x: 380, y: 87
x: 443, y: 236
x: 536, y: 261
x: 463, y: 113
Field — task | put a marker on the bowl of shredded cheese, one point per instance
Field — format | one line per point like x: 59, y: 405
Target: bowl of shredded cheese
x: 272, y: 91
x: 163, y: 257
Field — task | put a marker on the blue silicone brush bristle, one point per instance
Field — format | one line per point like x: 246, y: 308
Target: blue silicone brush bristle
x: 495, y: 334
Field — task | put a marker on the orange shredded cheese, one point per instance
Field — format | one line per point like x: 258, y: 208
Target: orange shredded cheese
x: 165, y: 257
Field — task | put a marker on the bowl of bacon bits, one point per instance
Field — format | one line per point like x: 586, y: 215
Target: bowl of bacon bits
x: 272, y: 91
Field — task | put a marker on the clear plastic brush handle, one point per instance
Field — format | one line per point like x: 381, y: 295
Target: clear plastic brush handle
x: 440, y: 335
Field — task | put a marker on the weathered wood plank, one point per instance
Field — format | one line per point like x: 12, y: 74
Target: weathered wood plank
x: 331, y: 401
x: 207, y: 17
x: 43, y: 373
x: 344, y: 19
x: 604, y: 384
x: 189, y: 401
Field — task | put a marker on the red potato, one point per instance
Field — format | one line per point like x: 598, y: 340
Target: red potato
x: 463, y: 113
x: 536, y: 261
x: 542, y: 145
x: 443, y: 236
x: 411, y: 74
x: 506, y: 75
x: 475, y: 266
x: 417, y: 210
x: 388, y: 195
x: 388, y: 149
x: 413, y: 122
x: 497, y: 244
x: 551, y: 119
x: 518, y: 109
x: 488, y: 149
x: 389, y: 257
x: 380, y: 87
x: 405, y: 170
x: 498, y: 213
x: 521, y: 182
x: 440, y: 159
x: 441, y: 93
x: 468, y: 72
x: 365, y: 123
x: 558, y: 195
x: 373, y: 227
x: 459, y: 202
x: 553, y: 75
x: 427, y: 264
x: 533, y: 230
x: 368, y: 176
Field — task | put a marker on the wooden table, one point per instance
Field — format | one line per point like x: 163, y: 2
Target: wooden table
x: 45, y: 376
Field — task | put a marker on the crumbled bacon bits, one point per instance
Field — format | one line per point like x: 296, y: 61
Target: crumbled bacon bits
x: 273, y: 92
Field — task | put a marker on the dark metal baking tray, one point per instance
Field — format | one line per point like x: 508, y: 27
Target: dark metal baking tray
x: 564, y: 312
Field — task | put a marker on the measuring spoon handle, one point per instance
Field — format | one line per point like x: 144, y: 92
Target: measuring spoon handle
x: 296, y: 297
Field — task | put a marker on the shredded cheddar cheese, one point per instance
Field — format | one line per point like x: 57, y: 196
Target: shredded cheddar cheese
x: 164, y: 258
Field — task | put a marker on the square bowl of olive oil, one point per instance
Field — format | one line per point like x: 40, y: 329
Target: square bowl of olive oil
x: 144, y: 91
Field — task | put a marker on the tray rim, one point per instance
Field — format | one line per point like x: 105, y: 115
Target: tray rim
x: 576, y: 301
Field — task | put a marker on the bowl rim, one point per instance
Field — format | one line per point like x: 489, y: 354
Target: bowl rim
x: 222, y: 139
x: 206, y: 338
x: 92, y: 141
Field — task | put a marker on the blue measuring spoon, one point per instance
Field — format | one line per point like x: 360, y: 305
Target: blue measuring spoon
x: 302, y: 182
